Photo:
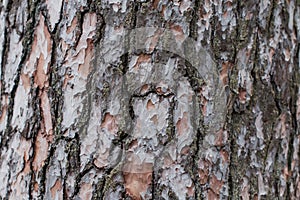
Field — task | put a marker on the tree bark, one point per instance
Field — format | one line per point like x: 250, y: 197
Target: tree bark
x: 122, y: 99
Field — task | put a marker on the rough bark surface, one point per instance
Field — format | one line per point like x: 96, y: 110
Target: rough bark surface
x: 123, y: 99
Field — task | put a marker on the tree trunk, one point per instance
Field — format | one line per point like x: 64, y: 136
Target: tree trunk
x: 122, y: 99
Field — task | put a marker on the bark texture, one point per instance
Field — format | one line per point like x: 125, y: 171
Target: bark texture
x: 123, y: 99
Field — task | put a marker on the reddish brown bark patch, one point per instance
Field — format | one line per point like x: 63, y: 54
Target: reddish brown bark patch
x: 215, y: 184
x: 46, y: 108
x: 182, y: 124
x: 221, y: 138
x: 41, y: 151
x: 178, y: 32
x: 225, y: 156
x: 154, y: 119
x: 203, y: 172
x: 155, y: 4
x: 40, y: 77
x: 150, y: 105
x: 25, y: 81
x: 73, y: 25
x: 4, y: 108
x: 84, y: 69
x: 109, y: 123
x: 143, y: 58
x: 242, y: 95
x: 137, y: 183
x: 226, y: 66
x: 55, y: 188
x: 137, y: 177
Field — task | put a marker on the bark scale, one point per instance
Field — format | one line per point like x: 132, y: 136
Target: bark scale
x: 87, y: 115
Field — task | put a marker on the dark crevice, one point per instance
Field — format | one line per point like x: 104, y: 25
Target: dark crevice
x: 237, y: 40
x: 88, y: 167
x: 8, y: 184
x: 294, y: 130
x: 271, y: 16
x: 55, y: 86
x: 27, y: 42
x: 56, y: 27
x: 33, y: 135
x: 43, y: 172
x: 231, y: 167
x: 80, y: 16
x: 193, y: 33
x: 274, y: 88
x: 171, y: 136
x: 5, y: 49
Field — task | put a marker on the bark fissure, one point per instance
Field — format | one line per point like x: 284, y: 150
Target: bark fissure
x: 104, y: 119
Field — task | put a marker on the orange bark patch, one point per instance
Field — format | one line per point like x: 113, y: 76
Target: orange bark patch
x: 242, y: 95
x: 25, y: 81
x: 3, y: 113
x: 36, y: 187
x: 26, y: 169
x: 168, y: 161
x: 215, y: 184
x: 73, y: 25
x: 178, y: 32
x: 86, y: 191
x: 40, y: 77
x: 221, y: 138
x: 211, y: 195
x: 133, y: 145
x: 298, y: 109
x: 271, y: 54
x: 203, y: 172
x: 150, y: 105
x: 191, y: 191
x: 135, y: 182
x: 84, y: 69
x: 226, y: 66
x: 4, y: 108
x: 182, y: 124
x: 203, y: 105
x: 41, y: 150
x: 225, y: 156
x: 185, y: 150
x: 143, y: 58
x: 109, y: 123
x: 66, y: 80
x: 155, y: 3
x: 45, y: 105
x: 56, y: 188
x: 286, y: 173
x: 154, y: 40
x: 145, y: 88
x: 154, y: 119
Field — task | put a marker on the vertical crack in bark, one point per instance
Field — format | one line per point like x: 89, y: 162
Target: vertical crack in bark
x: 43, y: 172
x: 193, y: 32
x: 27, y: 42
x: 87, y: 104
x: 5, y: 49
x: 57, y: 25
x: 79, y: 176
x: 8, y: 177
x: 293, y: 108
x: 36, y: 106
x: 271, y: 16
